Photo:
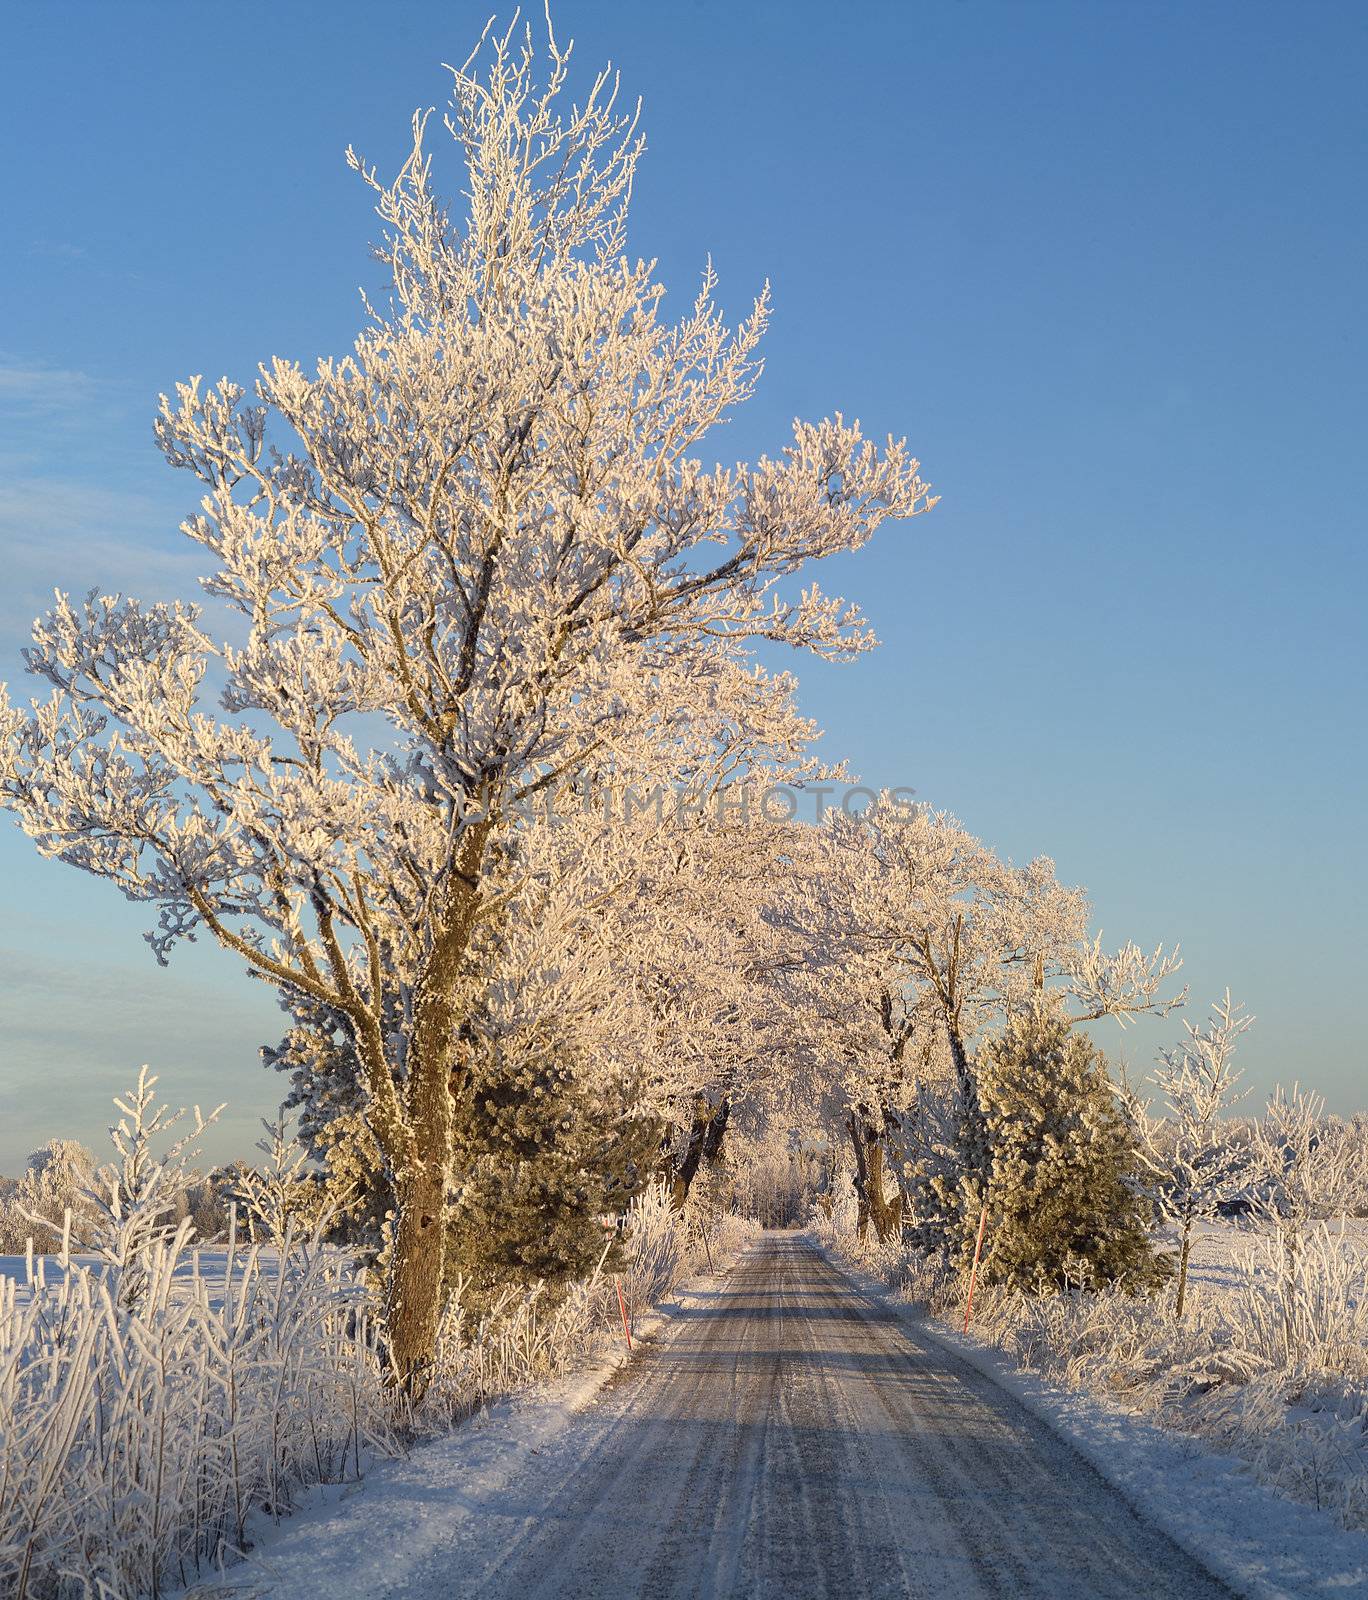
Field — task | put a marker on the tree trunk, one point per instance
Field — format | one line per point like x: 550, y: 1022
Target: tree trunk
x: 1183, y: 1267
x: 884, y: 1216
x: 861, y: 1178
x: 959, y: 1056
x: 704, y: 1143
x: 895, y: 1157
x: 417, y: 1269
x: 867, y: 1143
x: 854, y: 1128
x: 717, y: 1130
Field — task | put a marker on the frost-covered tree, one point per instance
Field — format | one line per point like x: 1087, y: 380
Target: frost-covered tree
x: 845, y: 1052
x: 51, y: 1191
x: 280, y: 1200
x: 714, y: 971
x: 1305, y: 1167
x: 934, y: 941
x: 466, y: 559
x: 206, y: 1208
x: 1063, y: 1192
x: 974, y: 939
x: 607, y: 1012
x: 1196, y: 1166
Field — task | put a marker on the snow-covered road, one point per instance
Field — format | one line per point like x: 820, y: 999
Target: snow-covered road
x: 795, y: 1438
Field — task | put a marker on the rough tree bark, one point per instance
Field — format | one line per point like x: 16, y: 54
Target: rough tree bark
x: 421, y: 1175
x: 704, y: 1143
x: 872, y: 1205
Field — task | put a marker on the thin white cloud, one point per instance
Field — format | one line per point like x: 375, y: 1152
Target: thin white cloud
x: 32, y: 387
x: 75, y: 537
x: 73, y: 513
x: 58, y: 249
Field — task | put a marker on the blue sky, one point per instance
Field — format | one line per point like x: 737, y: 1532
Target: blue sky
x: 1102, y: 263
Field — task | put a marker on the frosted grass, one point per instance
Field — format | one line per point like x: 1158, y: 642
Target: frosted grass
x: 159, y: 1399
x: 137, y: 1442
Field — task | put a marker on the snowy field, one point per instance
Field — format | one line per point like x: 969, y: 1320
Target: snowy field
x: 198, y: 1271
x: 1218, y: 1248
x: 1213, y: 1271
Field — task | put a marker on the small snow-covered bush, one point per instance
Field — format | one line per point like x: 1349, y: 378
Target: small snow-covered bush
x: 660, y: 1245
x: 520, y: 1337
x: 1309, y: 1312
x: 728, y: 1237
x: 1304, y: 1433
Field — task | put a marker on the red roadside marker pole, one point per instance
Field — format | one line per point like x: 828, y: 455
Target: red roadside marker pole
x: 973, y: 1271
